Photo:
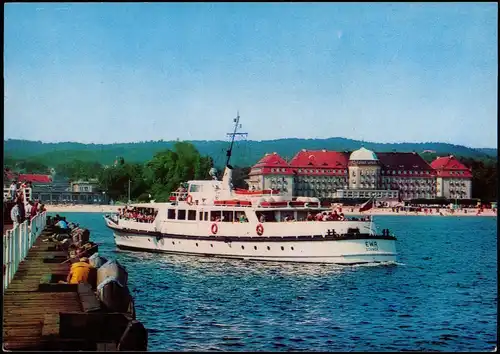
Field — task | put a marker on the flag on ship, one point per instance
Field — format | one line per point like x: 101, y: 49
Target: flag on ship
x: 367, y: 205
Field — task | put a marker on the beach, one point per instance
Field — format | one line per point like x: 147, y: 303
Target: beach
x: 90, y: 208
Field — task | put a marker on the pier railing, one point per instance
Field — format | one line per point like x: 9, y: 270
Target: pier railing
x: 17, y: 242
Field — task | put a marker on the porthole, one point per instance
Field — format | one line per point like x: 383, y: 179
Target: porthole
x: 282, y: 248
x: 255, y: 247
x: 196, y: 244
x: 149, y: 239
x: 173, y: 243
x: 291, y: 248
x: 268, y: 248
x: 211, y: 245
x: 242, y: 247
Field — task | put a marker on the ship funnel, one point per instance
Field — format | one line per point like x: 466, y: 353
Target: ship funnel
x: 227, y: 179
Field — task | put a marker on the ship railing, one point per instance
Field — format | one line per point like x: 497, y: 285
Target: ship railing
x: 17, y: 243
x: 178, y: 196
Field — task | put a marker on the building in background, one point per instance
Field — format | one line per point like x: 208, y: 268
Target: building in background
x: 51, y: 189
x: 454, y: 179
x: 365, y: 178
x: 387, y: 176
x: 319, y: 173
x: 91, y: 185
x: 271, y: 172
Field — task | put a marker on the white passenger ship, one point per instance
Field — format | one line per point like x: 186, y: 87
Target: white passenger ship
x: 213, y: 219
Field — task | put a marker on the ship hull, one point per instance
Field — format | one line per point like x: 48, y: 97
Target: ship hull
x: 338, y: 250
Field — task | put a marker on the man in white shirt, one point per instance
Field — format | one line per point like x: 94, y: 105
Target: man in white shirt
x: 14, y: 214
x: 13, y: 190
x: 28, y: 209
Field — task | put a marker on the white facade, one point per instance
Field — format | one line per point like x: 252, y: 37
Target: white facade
x: 451, y: 188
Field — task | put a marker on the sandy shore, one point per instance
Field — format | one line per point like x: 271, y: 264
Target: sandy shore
x: 346, y: 211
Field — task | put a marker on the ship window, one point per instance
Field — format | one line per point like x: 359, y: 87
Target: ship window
x: 206, y: 216
x: 255, y: 247
x: 242, y: 247
x: 196, y: 244
x: 194, y: 188
x: 201, y: 215
x: 282, y: 248
x: 268, y: 248
x: 211, y: 245
x: 291, y: 248
x: 269, y: 216
x: 171, y: 214
x: 227, y: 216
x: 191, y: 214
x: 181, y: 214
x: 215, y: 215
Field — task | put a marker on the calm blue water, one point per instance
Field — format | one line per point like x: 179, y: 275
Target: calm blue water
x: 441, y: 297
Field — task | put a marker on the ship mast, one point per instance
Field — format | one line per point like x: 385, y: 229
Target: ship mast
x: 232, y: 135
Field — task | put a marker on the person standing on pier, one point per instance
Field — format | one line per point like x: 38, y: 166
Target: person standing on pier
x: 13, y: 190
x: 14, y: 214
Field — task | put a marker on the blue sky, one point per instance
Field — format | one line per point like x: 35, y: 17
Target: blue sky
x: 381, y: 72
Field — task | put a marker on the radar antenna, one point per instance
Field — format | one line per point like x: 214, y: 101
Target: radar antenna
x: 232, y: 135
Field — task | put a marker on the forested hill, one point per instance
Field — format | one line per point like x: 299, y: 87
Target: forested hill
x: 246, y: 153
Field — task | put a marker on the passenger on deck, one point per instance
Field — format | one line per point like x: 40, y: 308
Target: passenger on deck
x: 262, y: 218
x: 341, y: 217
x: 309, y: 217
x: 318, y: 217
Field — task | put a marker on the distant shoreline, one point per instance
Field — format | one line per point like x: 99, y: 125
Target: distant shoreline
x: 345, y: 210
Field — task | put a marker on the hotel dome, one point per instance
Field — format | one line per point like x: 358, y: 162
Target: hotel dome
x: 363, y: 155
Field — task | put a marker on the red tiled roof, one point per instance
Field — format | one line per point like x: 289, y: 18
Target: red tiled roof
x: 320, y: 158
x: 447, y: 166
x: 34, y: 178
x: 271, y: 164
x: 273, y: 160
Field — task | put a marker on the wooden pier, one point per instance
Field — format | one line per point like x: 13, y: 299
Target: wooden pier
x: 41, y: 314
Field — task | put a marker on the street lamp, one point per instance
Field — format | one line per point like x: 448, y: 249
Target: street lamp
x: 103, y: 197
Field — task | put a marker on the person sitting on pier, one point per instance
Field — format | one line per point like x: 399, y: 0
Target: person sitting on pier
x: 79, y: 272
x: 62, y: 224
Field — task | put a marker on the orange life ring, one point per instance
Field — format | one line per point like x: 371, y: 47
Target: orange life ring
x: 189, y: 199
x: 260, y: 229
x: 215, y: 228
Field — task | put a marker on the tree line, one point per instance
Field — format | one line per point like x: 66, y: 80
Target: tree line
x: 158, y: 177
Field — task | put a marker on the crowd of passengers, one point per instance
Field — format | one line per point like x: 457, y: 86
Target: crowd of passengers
x: 137, y: 214
x: 320, y: 216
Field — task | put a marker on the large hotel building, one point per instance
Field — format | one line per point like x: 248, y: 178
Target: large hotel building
x: 362, y: 174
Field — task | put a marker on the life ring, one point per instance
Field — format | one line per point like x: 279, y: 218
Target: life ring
x: 189, y: 199
x: 260, y: 229
x: 215, y: 228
